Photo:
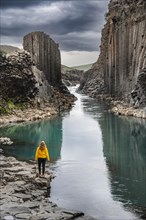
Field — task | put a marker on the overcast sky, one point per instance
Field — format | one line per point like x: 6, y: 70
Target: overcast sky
x: 74, y: 24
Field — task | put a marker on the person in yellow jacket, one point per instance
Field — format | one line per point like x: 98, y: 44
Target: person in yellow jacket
x: 42, y: 155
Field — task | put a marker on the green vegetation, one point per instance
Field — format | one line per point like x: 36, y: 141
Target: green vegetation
x: 82, y: 67
x: 2, y: 53
x: 3, y: 110
x: 9, y: 106
x: 65, y: 68
x: 8, y: 49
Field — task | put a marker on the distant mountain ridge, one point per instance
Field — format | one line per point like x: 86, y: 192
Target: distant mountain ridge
x: 84, y: 68
x: 9, y: 49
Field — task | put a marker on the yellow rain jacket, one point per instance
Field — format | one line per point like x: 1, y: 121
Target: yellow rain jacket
x: 42, y: 153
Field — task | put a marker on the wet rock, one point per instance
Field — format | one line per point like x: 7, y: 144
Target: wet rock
x: 22, y: 216
x: 129, y: 111
x: 8, y: 217
x: 1, y: 151
x: 5, y: 141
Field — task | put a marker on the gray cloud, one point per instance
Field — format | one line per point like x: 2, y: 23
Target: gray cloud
x: 75, y: 25
x: 19, y: 3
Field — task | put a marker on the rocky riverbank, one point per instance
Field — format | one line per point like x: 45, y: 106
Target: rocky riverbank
x: 18, y: 116
x: 26, y: 196
x: 129, y: 111
x: 58, y: 103
x: 119, y: 107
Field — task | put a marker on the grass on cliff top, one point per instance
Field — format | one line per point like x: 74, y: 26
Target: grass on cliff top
x: 8, y: 49
x: 82, y: 67
x: 65, y: 68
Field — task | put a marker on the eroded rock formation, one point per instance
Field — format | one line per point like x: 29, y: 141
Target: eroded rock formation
x: 121, y: 67
x: 45, y: 54
x: 17, y: 80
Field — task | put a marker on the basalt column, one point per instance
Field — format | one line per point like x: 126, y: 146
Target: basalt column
x: 120, y: 70
x: 45, y: 54
x: 126, y: 46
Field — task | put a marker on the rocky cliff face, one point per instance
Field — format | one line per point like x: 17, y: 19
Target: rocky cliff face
x: 121, y: 68
x: 17, y: 80
x: 45, y: 54
x: 71, y: 77
x: 23, y: 85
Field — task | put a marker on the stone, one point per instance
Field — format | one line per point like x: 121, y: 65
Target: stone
x: 8, y: 217
x: 5, y: 141
x: 23, y: 216
x: 13, y: 210
x: 32, y: 205
x: 13, y: 169
x: 23, y: 196
x: 1, y: 150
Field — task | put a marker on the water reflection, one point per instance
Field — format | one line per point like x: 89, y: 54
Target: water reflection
x: 27, y: 137
x: 125, y: 152
x: 124, y: 148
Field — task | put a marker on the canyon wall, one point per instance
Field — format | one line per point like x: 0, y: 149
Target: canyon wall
x: 23, y: 85
x: 45, y: 54
x: 17, y: 80
x: 120, y: 70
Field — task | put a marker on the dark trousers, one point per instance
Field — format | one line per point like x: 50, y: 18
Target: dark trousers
x: 41, y: 164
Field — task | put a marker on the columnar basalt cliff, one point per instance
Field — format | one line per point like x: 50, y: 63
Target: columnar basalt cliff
x: 45, y: 54
x: 121, y: 67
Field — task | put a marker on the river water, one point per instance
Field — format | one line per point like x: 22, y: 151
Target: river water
x: 99, y: 159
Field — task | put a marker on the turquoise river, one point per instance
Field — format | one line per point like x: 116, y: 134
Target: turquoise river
x: 99, y: 159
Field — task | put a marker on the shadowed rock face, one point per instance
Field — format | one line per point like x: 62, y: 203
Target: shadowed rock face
x: 45, y: 54
x: 72, y: 77
x: 138, y: 95
x: 122, y: 53
x: 17, y: 80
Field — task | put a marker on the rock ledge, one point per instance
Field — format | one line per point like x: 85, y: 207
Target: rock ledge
x: 25, y: 196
